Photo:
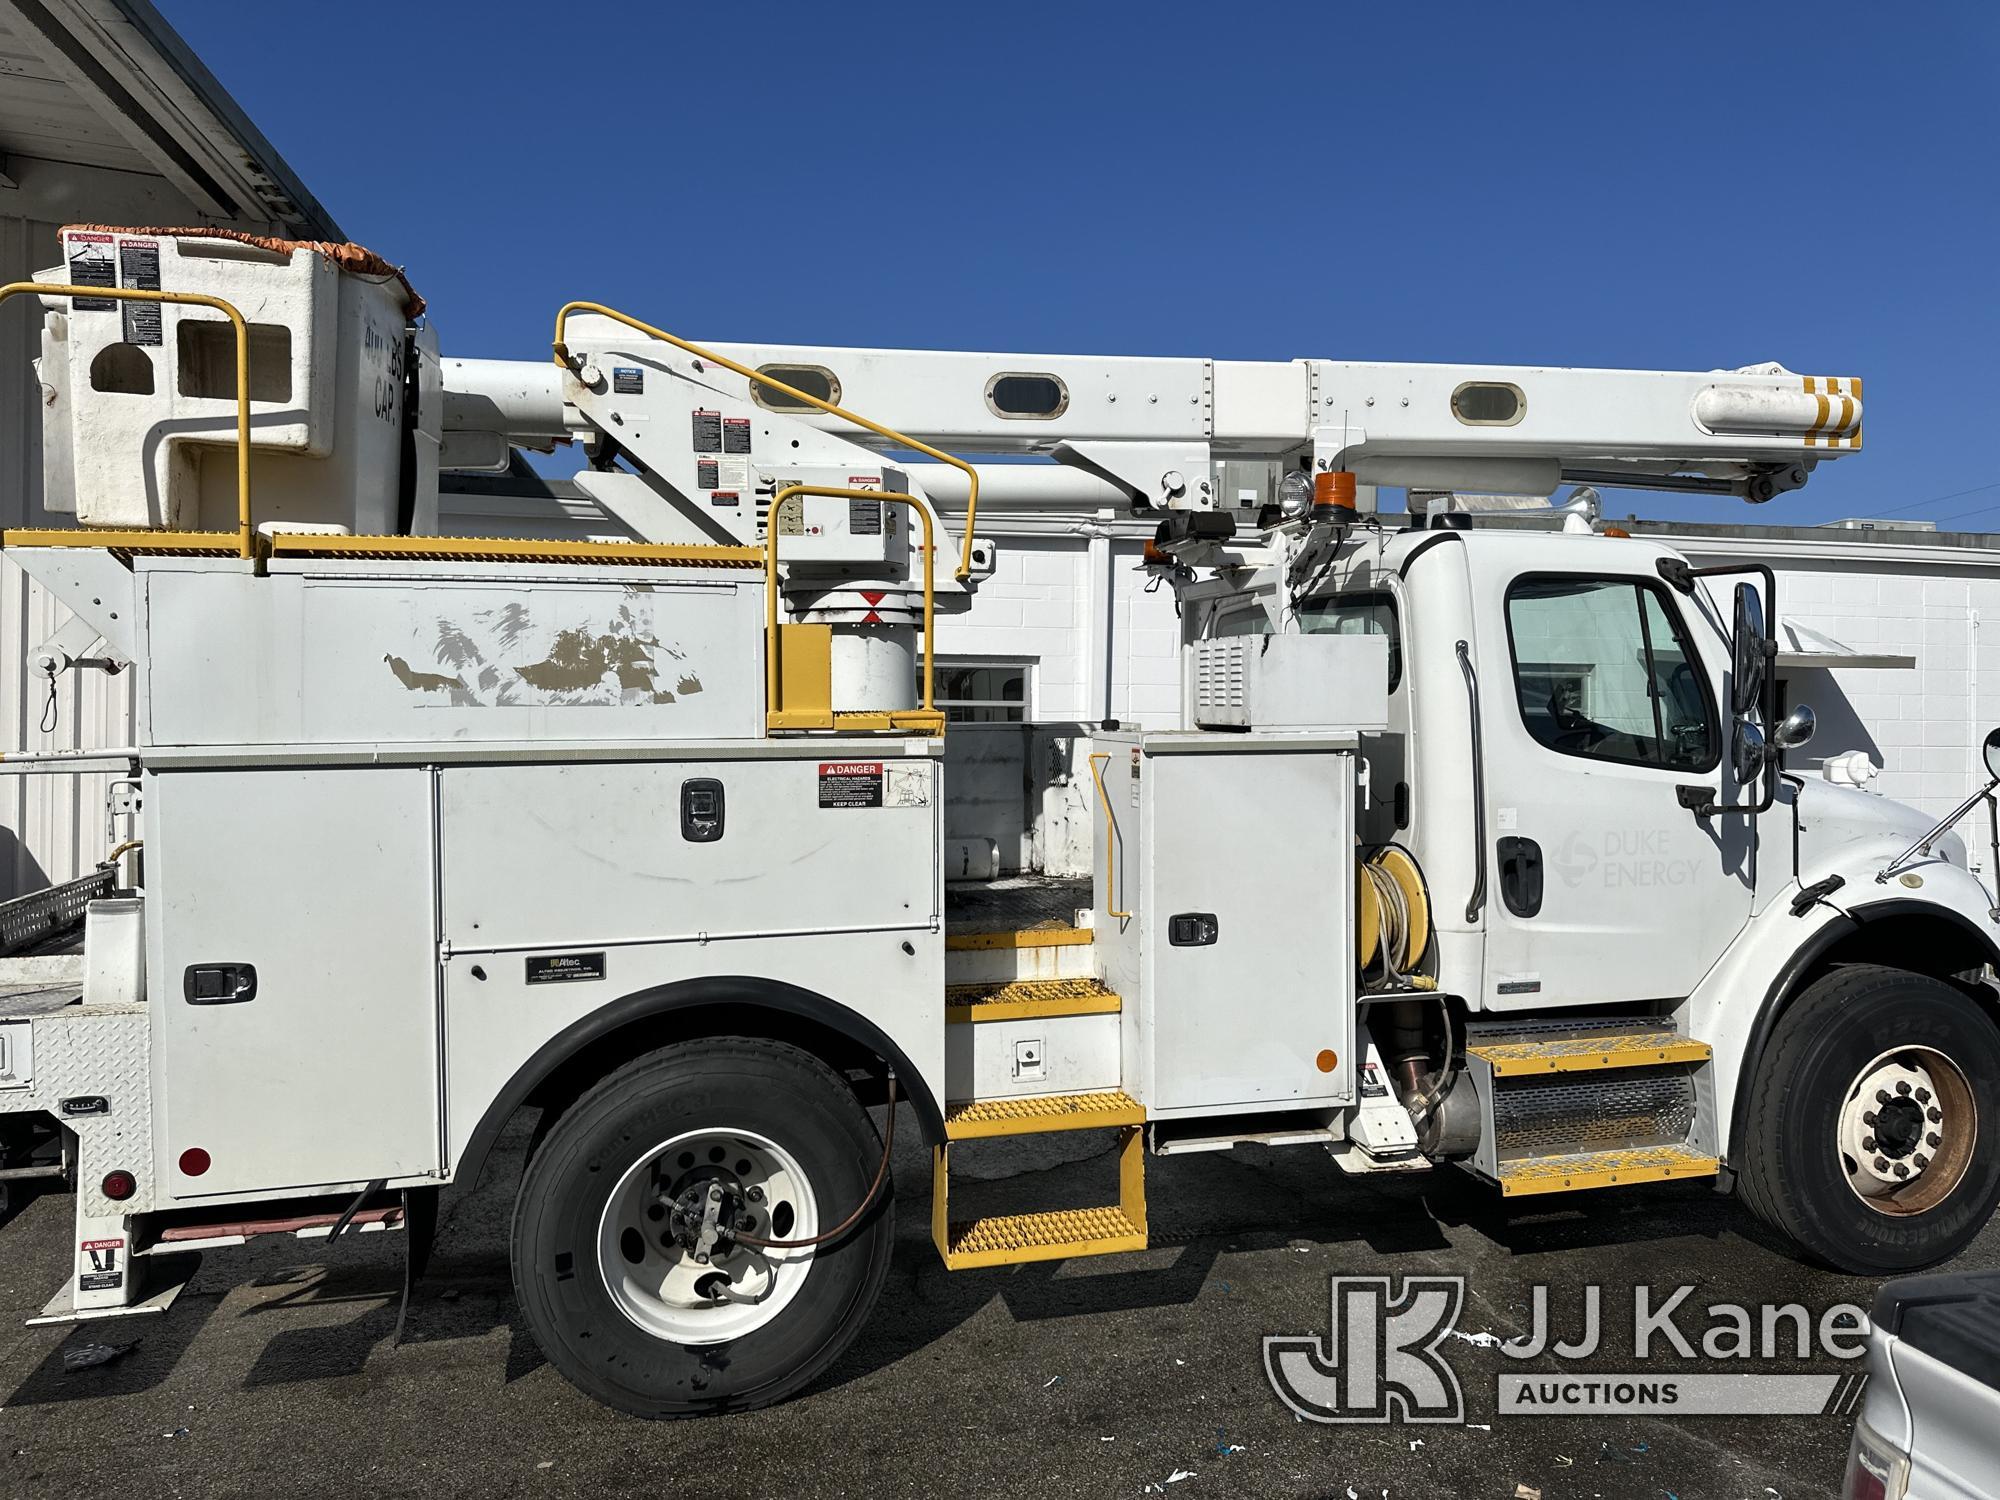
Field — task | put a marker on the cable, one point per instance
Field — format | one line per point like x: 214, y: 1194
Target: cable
x: 867, y: 1198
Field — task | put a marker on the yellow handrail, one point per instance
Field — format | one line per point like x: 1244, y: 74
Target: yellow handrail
x: 771, y: 383
x: 771, y: 576
x: 1110, y: 844
x: 245, y: 546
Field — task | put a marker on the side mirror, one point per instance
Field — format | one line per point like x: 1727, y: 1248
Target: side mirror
x: 1748, y: 751
x: 1747, y: 651
x: 1991, y: 751
x: 1798, y: 730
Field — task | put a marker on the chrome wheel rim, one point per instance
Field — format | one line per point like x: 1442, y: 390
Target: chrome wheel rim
x: 650, y: 1239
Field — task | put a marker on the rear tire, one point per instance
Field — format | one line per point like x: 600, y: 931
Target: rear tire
x: 1872, y: 1138
x: 623, y: 1308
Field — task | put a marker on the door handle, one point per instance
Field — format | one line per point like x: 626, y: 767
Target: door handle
x: 1476, y: 902
x: 219, y: 984
x: 1521, y: 875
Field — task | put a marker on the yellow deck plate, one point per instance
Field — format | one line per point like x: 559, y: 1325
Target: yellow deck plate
x: 1594, y: 1169
x: 513, y: 549
x: 1022, y: 937
x: 1021, y: 999
x: 1586, y: 1053
x: 1010, y: 1239
x: 125, y: 543
x: 1042, y: 1116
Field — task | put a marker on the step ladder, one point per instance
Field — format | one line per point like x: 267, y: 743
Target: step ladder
x: 1569, y: 1105
x: 1040, y: 974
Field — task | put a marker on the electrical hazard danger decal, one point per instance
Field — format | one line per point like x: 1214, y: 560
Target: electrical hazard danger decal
x: 870, y: 783
x: 850, y: 783
x: 101, y: 1257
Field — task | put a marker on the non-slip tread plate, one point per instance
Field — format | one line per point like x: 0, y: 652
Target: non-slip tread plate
x: 1004, y: 1239
x: 1042, y: 1115
x: 1591, y: 1169
x: 1018, y: 999
x: 1580, y: 1054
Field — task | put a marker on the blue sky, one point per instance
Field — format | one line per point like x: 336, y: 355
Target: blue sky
x: 1661, y: 186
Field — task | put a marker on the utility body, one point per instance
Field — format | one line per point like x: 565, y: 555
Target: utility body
x: 1470, y: 849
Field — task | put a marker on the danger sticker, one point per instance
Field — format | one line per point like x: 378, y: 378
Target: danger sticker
x: 90, y: 264
x: 850, y: 783
x: 102, y: 1245
x: 735, y: 434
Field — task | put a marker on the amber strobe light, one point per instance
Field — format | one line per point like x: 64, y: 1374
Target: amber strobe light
x: 1333, y: 489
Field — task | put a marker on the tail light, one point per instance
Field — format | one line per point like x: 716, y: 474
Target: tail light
x: 1875, y: 1471
x: 118, y: 1186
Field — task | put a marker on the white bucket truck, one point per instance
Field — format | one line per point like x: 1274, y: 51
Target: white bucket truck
x: 1473, y: 848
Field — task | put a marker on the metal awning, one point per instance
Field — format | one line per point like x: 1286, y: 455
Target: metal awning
x: 108, y: 84
x: 1802, y: 646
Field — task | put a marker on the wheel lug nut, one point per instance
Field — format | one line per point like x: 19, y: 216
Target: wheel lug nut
x: 1934, y: 1114
x: 1881, y: 1163
x: 1883, y: 1096
x: 1902, y: 1169
x: 1868, y: 1117
x: 1902, y: 1085
x: 1933, y: 1140
x: 1868, y: 1143
x: 1923, y: 1096
x: 754, y: 1194
x: 1922, y: 1162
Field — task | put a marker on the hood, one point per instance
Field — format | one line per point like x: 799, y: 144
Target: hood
x: 1833, y: 817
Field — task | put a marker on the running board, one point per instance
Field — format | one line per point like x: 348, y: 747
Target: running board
x: 1028, y: 999
x: 1058, y: 1234
x: 1595, y: 1169
x: 1568, y: 1104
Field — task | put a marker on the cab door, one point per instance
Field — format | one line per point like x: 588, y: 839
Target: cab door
x: 1603, y: 885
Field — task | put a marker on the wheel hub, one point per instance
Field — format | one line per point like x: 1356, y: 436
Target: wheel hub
x: 1906, y: 1130
x: 667, y: 1243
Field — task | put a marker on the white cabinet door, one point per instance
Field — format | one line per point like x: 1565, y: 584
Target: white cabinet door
x: 322, y: 881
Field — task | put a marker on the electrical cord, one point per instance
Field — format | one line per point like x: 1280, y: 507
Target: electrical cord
x: 867, y: 1198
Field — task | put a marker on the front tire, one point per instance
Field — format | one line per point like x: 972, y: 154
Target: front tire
x: 606, y: 1226
x: 1873, y: 1134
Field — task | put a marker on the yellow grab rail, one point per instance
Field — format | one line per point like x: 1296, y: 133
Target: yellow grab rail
x: 245, y: 546
x: 1110, y: 839
x: 771, y: 576
x: 771, y: 383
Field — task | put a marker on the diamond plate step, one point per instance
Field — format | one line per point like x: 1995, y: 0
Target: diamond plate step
x: 987, y: 1118
x: 1594, y: 1169
x: 1012, y: 1239
x: 1051, y: 936
x: 1582, y: 1054
x: 1022, y: 999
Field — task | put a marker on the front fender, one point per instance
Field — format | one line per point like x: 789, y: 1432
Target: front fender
x: 1946, y: 914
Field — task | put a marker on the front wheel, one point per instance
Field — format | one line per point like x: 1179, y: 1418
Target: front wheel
x: 1873, y: 1133
x: 627, y: 1257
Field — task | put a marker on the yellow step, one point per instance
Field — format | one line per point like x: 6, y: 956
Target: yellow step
x: 1042, y: 1115
x: 1024, y: 937
x: 1595, y: 1169
x: 1011, y: 1239
x: 1583, y: 1054
x: 1021, y: 999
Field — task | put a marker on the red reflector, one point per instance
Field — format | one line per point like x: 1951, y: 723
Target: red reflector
x: 194, y: 1161
x: 118, y: 1186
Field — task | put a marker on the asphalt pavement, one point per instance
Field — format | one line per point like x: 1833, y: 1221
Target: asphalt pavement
x: 277, y: 1371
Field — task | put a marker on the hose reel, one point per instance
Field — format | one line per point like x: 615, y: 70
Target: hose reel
x: 1394, y: 922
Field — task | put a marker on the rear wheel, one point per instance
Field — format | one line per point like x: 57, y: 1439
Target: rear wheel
x: 1873, y: 1134
x: 626, y: 1257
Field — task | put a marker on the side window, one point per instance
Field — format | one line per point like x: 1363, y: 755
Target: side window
x: 1603, y: 670
x: 1357, y: 614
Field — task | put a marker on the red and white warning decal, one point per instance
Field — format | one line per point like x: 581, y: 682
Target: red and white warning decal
x: 118, y: 1244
